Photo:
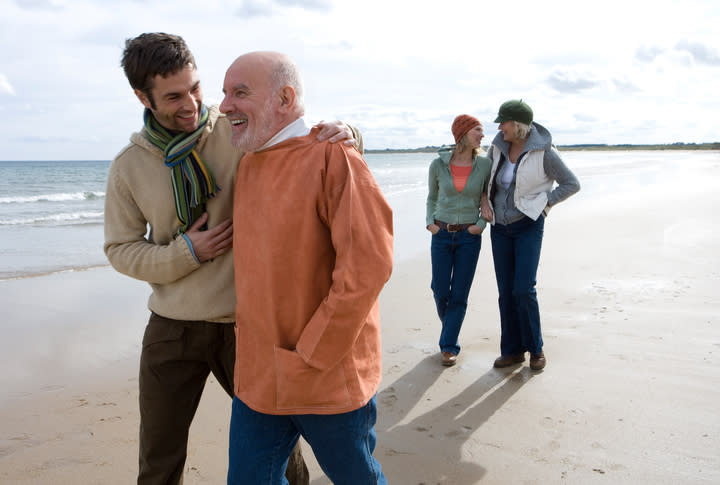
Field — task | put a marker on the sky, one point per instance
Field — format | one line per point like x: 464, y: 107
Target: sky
x: 611, y: 72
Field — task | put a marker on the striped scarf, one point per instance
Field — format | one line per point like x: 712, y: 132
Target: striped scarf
x: 193, y: 182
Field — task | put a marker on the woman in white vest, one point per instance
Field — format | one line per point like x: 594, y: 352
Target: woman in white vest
x: 527, y: 178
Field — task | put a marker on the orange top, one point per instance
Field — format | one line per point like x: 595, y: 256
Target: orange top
x: 460, y: 175
x: 312, y: 249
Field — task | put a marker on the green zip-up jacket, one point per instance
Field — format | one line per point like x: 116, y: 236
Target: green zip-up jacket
x: 445, y: 203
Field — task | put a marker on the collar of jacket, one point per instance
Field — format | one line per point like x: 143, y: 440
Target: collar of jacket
x: 445, y: 154
x: 539, y: 139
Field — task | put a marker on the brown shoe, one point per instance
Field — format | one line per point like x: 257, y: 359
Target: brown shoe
x: 537, y: 361
x: 449, y: 359
x: 508, y: 360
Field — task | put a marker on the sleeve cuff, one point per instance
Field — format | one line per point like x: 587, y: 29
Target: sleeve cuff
x: 192, y: 251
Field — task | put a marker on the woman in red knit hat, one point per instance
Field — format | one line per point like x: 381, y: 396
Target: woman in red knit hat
x: 457, y: 180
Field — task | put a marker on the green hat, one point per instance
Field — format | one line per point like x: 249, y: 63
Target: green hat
x: 515, y: 110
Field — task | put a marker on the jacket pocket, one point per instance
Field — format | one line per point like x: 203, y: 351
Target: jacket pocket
x: 301, y: 386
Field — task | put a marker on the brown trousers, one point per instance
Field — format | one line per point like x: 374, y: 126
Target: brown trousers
x: 176, y: 359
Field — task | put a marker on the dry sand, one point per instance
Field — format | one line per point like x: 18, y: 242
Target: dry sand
x: 629, y: 301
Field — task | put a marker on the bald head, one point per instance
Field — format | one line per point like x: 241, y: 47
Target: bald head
x: 263, y: 94
x: 280, y: 69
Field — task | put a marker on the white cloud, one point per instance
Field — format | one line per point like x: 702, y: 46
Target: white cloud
x: 38, y: 4
x: 254, y: 8
x: 574, y: 79
x: 648, y: 53
x: 5, y: 86
x: 399, y: 70
x: 701, y: 53
x: 268, y: 8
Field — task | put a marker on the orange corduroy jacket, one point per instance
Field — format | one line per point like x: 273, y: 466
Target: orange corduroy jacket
x: 313, y: 247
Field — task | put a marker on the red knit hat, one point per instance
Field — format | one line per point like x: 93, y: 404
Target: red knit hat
x: 463, y: 124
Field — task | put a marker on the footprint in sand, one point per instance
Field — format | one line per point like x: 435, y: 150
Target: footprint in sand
x: 52, y: 388
x: 393, y: 452
x: 22, y: 437
x: 387, y: 399
x: 110, y: 419
x: 462, y: 433
x: 16, y: 443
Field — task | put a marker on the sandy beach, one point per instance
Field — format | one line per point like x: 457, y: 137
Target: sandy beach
x: 628, y: 290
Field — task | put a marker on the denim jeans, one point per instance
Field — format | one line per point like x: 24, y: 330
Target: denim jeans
x: 343, y: 445
x: 516, y: 253
x: 454, y: 258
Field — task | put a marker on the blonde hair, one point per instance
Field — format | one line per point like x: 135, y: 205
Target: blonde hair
x: 459, y: 146
x: 522, y: 131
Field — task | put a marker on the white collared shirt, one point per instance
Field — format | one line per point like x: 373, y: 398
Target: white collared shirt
x: 293, y: 130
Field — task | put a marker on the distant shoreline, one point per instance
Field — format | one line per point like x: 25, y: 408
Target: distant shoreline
x: 588, y: 147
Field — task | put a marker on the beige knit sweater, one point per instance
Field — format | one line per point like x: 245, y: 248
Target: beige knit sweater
x: 140, y: 225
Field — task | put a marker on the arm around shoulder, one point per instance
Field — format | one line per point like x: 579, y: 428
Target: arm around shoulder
x: 358, y: 138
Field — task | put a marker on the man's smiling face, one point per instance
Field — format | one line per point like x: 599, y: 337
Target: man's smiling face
x: 250, y: 102
x: 176, y: 100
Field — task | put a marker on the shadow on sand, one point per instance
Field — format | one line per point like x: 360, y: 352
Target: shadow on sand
x: 421, y: 437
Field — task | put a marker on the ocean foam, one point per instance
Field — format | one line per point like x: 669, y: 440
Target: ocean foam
x: 62, y: 197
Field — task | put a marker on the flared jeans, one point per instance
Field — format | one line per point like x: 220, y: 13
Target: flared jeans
x: 454, y: 258
x: 516, y: 254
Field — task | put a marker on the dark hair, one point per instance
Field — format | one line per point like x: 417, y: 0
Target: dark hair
x: 150, y: 54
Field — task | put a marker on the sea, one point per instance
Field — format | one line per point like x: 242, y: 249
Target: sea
x: 51, y: 212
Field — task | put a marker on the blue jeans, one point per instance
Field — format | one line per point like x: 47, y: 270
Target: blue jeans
x: 516, y: 253
x: 454, y: 258
x: 260, y: 445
